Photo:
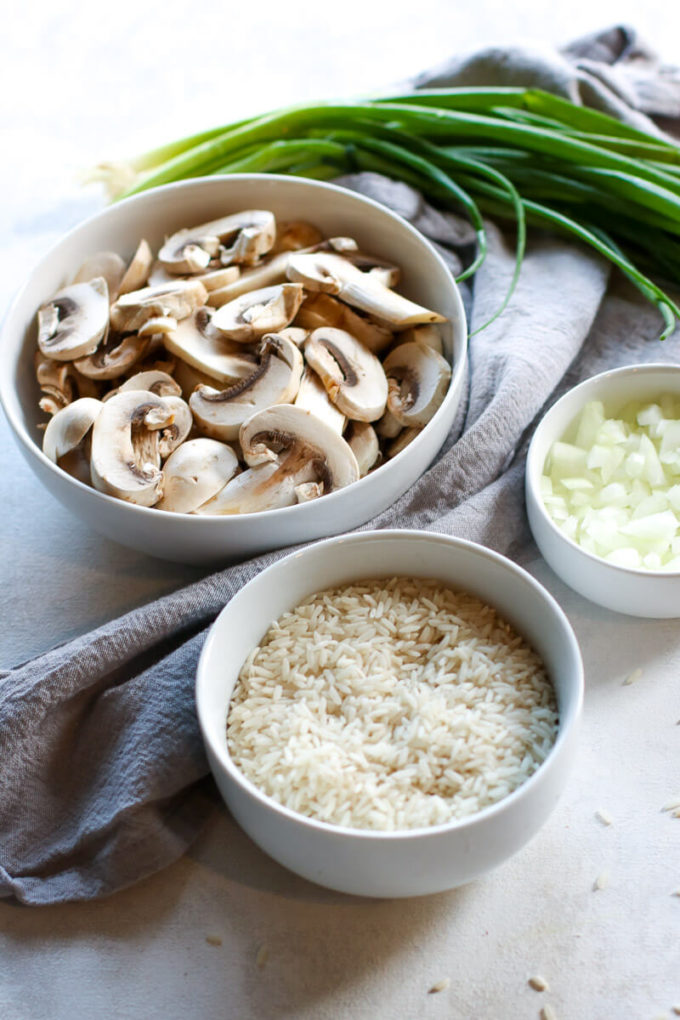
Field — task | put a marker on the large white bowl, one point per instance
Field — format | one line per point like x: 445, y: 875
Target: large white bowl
x: 418, y: 861
x: 624, y: 589
x: 153, y: 214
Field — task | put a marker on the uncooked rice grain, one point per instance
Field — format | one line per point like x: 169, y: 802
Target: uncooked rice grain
x: 391, y: 704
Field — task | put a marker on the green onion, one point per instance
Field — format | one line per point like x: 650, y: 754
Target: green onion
x: 520, y: 154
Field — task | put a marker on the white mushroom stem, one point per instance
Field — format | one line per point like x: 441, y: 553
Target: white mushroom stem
x: 275, y: 380
x: 418, y: 379
x: 73, y: 323
x: 334, y: 274
x: 125, y: 456
x: 195, y: 472
x: 353, y: 377
x: 67, y: 429
x: 250, y: 316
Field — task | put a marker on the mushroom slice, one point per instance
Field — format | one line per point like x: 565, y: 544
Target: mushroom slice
x: 363, y: 441
x: 295, y: 334
x: 295, y: 234
x: 323, y: 310
x: 68, y: 428
x: 326, y: 271
x: 195, y: 472
x: 55, y: 379
x: 269, y: 273
x: 312, y: 396
x: 153, y: 380
x: 418, y: 379
x: 198, y: 343
x: 212, y: 279
x: 125, y: 459
x: 307, y: 491
x: 251, y: 315
x: 114, y: 358
x: 388, y: 427
x: 72, y: 324
x: 160, y: 326
x: 275, y: 380
x: 353, y: 376
x: 178, y: 428
x: 108, y: 264
x: 137, y: 273
x: 287, y: 448
x: 242, y: 238
x: 178, y: 300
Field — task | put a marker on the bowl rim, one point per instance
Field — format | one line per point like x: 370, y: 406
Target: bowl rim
x: 533, y: 471
x: 565, y: 728
x: 216, y: 521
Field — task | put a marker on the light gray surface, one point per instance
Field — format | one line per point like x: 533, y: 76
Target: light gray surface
x: 85, y: 83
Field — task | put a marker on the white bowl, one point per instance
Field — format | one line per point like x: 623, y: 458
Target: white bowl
x: 417, y: 861
x: 636, y: 592
x: 152, y: 214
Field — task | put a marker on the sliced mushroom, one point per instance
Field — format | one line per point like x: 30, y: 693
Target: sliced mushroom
x: 312, y: 396
x: 307, y: 491
x: 112, y: 359
x: 108, y: 264
x: 275, y: 380
x: 250, y: 316
x: 195, y: 472
x: 388, y: 427
x: 198, y: 343
x: 363, y: 441
x: 323, y: 310
x: 240, y: 238
x: 269, y: 273
x: 68, y: 428
x: 72, y: 324
x: 287, y: 447
x: 130, y: 311
x: 137, y: 273
x: 329, y: 272
x: 212, y: 279
x: 154, y: 381
x: 178, y: 428
x: 295, y: 334
x: 353, y: 376
x: 418, y: 379
x: 125, y: 459
x: 161, y: 325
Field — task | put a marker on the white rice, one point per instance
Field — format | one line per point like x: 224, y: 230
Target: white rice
x: 391, y: 704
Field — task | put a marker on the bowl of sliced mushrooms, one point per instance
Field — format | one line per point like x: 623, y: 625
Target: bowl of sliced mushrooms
x: 227, y: 365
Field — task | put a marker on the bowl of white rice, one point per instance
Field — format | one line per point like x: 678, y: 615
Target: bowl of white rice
x: 390, y: 713
x: 603, y: 489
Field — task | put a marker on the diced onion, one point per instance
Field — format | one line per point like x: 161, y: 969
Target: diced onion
x: 613, y: 484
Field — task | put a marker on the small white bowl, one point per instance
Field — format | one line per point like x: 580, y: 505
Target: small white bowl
x: 155, y: 213
x: 636, y: 592
x: 402, y: 863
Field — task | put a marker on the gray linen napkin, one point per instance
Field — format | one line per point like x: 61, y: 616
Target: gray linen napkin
x: 103, y: 772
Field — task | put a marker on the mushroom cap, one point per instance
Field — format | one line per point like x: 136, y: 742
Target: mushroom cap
x: 125, y: 459
x: 418, y: 379
x: 137, y: 273
x: 154, y: 380
x: 198, y: 343
x: 334, y: 274
x: 291, y: 435
x: 363, y: 441
x: 250, y: 316
x: 274, y: 380
x: 73, y: 322
x: 312, y: 397
x: 68, y: 427
x: 266, y: 487
x: 353, y: 376
x: 195, y: 472
x: 132, y: 310
x: 242, y: 237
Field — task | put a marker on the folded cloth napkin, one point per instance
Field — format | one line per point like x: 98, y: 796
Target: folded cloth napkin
x: 104, y: 777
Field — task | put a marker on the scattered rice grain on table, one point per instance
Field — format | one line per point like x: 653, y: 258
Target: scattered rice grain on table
x: 391, y: 704
x: 538, y: 983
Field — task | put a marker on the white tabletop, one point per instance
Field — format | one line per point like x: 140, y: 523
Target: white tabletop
x: 226, y: 932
